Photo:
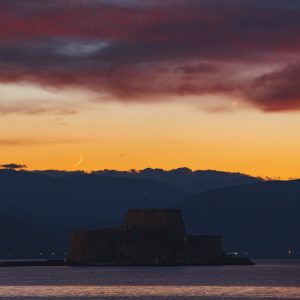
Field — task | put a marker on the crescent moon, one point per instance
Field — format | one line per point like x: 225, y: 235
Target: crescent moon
x: 80, y: 160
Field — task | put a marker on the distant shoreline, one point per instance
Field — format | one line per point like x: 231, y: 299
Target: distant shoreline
x: 33, y: 263
x: 61, y: 262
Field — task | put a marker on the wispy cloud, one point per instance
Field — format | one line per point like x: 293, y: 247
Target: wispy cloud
x: 15, y: 142
x: 12, y: 142
x: 35, y: 108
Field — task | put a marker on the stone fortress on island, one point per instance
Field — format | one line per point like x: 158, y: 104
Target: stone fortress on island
x: 148, y: 237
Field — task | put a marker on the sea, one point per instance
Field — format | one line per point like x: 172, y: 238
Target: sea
x: 268, y: 279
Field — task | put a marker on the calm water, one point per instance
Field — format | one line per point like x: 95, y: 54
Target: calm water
x: 266, y: 280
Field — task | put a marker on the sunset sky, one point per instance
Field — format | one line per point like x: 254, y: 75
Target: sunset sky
x: 130, y: 84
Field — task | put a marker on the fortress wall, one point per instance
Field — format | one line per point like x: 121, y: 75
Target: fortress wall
x: 94, y: 246
x: 154, y: 252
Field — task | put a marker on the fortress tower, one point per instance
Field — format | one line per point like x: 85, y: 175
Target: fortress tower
x: 168, y: 221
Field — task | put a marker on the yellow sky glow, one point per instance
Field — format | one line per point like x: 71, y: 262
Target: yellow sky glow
x: 135, y: 136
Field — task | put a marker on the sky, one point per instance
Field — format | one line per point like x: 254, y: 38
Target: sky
x: 204, y: 84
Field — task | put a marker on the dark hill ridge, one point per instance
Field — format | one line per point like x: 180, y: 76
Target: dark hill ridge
x: 261, y: 219
x: 60, y: 205
x: 183, y: 178
x: 20, y: 239
x: 193, y: 181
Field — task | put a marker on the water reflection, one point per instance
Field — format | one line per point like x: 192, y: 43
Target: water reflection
x: 138, y: 292
x: 267, y: 280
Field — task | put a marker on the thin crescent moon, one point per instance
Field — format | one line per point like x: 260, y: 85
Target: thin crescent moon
x: 80, y: 160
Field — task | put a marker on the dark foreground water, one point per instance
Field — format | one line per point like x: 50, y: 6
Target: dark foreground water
x: 266, y: 280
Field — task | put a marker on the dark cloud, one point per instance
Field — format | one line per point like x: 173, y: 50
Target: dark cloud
x: 13, y: 166
x: 147, y: 52
x: 277, y: 91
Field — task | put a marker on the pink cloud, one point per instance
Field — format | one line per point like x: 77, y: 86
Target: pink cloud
x: 135, y: 52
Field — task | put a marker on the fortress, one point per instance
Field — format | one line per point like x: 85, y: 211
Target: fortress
x: 147, y: 237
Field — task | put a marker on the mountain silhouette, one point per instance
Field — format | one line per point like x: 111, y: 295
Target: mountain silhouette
x: 184, y: 178
x: 40, y: 209
x: 260, y: 219
x: 61, y: 205
x: 20, y: 239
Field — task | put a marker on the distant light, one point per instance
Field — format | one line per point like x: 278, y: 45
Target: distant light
x: 290, y: 252
x: 52, y: 253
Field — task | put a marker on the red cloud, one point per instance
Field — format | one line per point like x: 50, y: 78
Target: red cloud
x: 278, y: 90
x: 141, y: 52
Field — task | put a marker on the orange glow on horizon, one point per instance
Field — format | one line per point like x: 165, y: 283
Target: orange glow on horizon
x: 135, y: 136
